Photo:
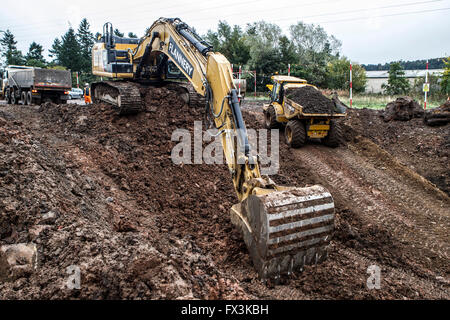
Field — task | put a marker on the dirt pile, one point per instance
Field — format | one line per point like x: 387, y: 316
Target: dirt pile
x: 402, y: 109
x: 439, y: 116
x: 126, y: 216
x: 312, y: 100
x: 100, y: 192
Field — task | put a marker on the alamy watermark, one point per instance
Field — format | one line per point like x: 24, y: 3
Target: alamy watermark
x: 74, y: 279
x: 255, y: 141
x: 374, y: 279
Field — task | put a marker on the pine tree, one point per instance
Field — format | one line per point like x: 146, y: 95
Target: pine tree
x: 34, y: 57
x: 55, y: 51
x: 86, y: 40
x: 132, y: 35
x: 70, y: 52
x: 10, y: 52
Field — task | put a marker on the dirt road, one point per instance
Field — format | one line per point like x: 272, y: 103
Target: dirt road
x: 140, y: 226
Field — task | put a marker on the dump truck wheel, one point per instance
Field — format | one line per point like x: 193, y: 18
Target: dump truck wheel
x: 13, y: 98
x: 295, y: 133
x: 23, y: 98
x: 334, y: 136
x: 29, y: 98
x: 8, y: 97
x: 270, y: 118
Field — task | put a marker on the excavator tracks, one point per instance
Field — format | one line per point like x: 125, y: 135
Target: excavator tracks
x: 123, y: 95
x: 285, y: 230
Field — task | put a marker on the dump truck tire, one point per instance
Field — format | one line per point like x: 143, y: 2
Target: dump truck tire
x: 29, y: 98
x: 295, y: 133
x: 23, y: 98
x: 13, y: 98
x: 270, y: 118
x: 334, y: 136
x: 8, y: 97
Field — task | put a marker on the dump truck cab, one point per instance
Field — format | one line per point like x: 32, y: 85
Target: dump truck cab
x: 301, y: 122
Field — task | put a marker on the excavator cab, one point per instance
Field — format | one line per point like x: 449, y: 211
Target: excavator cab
x: 112, y: 55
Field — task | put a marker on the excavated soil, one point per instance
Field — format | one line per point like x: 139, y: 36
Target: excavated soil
x: 140, y: 227
x: 312, y: 100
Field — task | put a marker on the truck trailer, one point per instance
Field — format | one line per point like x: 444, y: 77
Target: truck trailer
x: 32, y: 85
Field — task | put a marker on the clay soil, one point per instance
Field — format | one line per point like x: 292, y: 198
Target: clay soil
x: 141, y: 227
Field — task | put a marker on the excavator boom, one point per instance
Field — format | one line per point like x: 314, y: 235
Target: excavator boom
x: 284, y: 228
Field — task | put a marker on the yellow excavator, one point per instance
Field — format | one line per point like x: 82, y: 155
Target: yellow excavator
x: 284, y: 228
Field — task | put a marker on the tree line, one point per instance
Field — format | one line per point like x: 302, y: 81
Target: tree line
x: 71, y: 51
x: 436, y: 63
x: 312, y: 53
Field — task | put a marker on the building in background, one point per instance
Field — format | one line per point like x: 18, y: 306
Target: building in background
x: 376, y: 78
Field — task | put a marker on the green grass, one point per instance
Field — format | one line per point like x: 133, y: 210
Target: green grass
x: 380, y: 101
x: 360, y: 101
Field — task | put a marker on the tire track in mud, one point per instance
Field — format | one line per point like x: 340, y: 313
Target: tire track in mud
x: 385, y: 199
x: 428, y: 210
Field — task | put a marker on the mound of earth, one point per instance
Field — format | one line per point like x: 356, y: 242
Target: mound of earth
x: 439, y: 116
x: 402, y: 109
x: 312, y: 100
x: 120, y: 210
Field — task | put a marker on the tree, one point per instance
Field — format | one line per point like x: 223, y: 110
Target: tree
x: 55, y: 51
x: 34, y: 57
x: 117, y: 33
x: 230, y: 42
x: 69, y: 54
x: 10, y: 52
x: 339, y: 75
x: 132, y: 35
x: 397, y: 83
x: 86, y: 40
x: 265, y: 58
x: 445, y: 84
x: 287, y: 51
x: 314, y: 49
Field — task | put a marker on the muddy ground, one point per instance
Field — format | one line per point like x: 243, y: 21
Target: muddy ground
x: 140, y: 227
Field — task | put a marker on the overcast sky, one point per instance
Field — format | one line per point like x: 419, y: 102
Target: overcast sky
x: 370, y: 31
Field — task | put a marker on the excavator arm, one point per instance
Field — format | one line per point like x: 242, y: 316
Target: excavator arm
x: 284, y: 228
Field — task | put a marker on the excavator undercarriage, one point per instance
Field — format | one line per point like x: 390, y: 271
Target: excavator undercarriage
x: 284, y: 228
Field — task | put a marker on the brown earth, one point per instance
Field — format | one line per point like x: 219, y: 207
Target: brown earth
x: 141, y: 227
x: 311, y: 99
x: 402, y: 109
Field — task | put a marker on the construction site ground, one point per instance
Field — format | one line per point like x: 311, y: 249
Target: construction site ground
x: 141, y: 227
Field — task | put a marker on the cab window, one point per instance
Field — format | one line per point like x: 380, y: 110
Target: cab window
x: 275, y: 90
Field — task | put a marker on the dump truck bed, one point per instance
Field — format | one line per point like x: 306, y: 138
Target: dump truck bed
x: 337, y: 114
x: 43, y: 78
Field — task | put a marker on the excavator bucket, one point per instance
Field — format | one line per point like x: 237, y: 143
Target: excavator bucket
x: 285, y: 230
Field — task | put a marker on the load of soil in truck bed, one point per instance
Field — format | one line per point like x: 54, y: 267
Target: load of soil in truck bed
x: 312, y: 100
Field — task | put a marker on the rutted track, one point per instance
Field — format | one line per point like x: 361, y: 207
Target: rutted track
x: 415, y: 210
